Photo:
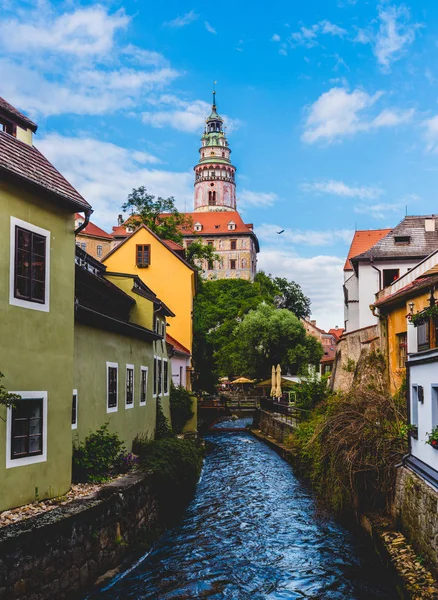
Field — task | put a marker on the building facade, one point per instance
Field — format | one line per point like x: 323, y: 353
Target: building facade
x: 92, y: 239
x: 215, y: 219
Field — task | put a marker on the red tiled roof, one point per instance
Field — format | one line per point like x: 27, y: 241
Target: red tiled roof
x: 177, y: 346
x: 173, y: 245
x: 216, y: 223
x: 28, y: 164
x: 336, y: 332
x: 93, y: 230
x: 362, y: 241
x: 120, y: 231
x: 11, y: 111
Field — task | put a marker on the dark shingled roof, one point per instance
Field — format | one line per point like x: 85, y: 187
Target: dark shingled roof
x: 25, y: 162
x: 15, y: 115
x: 421, y: 242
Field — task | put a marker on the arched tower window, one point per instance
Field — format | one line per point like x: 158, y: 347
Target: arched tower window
x: 212, y: 198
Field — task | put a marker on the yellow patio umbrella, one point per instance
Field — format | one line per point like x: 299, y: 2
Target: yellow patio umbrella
x: 273, y: 382
x: 243, y: 380
x: 279, y: 393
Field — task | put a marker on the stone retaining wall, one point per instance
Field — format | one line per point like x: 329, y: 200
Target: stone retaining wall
x: 269, y: 425
x: 416, y: 511
x: 59, y: 553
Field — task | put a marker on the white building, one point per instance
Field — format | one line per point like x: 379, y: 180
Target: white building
x: 379, y: 257
x: 180, y: 363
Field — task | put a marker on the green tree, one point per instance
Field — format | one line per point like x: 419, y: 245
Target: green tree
x: 197, y: 251
x: 291, y: 296
x: 6, y: 398
x: 268, y: 336
x: 159, y: 214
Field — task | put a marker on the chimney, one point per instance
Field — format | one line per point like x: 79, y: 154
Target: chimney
x: 429, y: 224
x: 336, y: 327
x: 313, y: 323
x: 120, y: 220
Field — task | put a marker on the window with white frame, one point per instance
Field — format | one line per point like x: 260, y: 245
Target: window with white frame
x: 26, y: 436
x: 434, y: 408
x: 112, y: 387
x: 165, y: 377
x: 74, y: 410
x: 29, y: 271
x: 143, y: 385
x: 129, y: 396
x: 99, y: 250
x: 160, y: 375
x: 155, y: 376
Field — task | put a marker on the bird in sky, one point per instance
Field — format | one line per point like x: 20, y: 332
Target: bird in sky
x: 280, y: 231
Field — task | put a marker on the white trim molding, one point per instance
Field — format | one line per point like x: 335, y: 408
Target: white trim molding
x: 26, y: 460
x: 45, y: 306
x: 115, y: 408
x: 165, y: 360
x: 144, y: 370
x: 132, y: 367
x: 75, y: 425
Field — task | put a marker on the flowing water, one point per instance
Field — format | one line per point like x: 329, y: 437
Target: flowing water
x: 252, y: 532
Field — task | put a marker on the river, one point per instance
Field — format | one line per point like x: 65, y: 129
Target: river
x: 252, y: 532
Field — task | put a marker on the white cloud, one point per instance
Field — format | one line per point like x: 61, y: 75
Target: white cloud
x: 431, y: 134
x: 307, y: 237
x: 378, y: 211
x: 74, y: 62
x: 394, y: 35
x: 339, y: 188
x: 320, y: 277
x: 105, y: 174
x: 183, y: 21
x: 210, y: 28
x: 182, y: 115
x: 338, y: 113
x: 275, y: 37
x: 308, y: 36
x: 261, y: 199
x: 83, y: 32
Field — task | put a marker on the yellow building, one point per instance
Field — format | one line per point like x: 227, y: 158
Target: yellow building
x: 394, y: 308
x: 161, y: 268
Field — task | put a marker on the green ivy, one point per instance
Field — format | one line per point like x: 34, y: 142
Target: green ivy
x: 163, y: 429
x: 180, y: 407
x: 421, y: 317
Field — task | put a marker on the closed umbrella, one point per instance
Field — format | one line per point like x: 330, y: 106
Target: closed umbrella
x: 273, y: 382
x: 279, y: 392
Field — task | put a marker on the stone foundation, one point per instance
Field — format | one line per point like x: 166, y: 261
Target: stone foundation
x: 416, y: 512
x: 63, y: 551
x: 269, y: 425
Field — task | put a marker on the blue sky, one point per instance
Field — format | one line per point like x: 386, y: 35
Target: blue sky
x: 331, y: 107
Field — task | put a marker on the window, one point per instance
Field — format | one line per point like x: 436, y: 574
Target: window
x: 402, y: 342
x: 29, y: 267
x: 243, y: 263
x: 197, y: 227
x: 180, y: 376
x: 99, y: 250
x: 233, y: 245
x: 165, y: 377
x: 26, y: 437
x: 210, y: 265
x: 112, y: 384
x: 231, y: 226
x: 160, y: 376
x: 129, y: 398
x: 402, y: 239
x: 84, y: 246
x: 143, y: 385
x: 390, y: 275
x: 210, y: 243
x: 423, y: 337
x: 8, y: 127
x: 155, y: 375
x: 212, y: 197
x: 434, y: 405
x: 414, y: 407
x: 74, y: 410
x: 232, y: 263
x: 143, y: 256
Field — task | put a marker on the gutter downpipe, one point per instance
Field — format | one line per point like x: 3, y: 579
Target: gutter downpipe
x: 88, y: 214
x: 379, y: 272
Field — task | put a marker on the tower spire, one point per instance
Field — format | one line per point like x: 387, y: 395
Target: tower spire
x: 214, y: 96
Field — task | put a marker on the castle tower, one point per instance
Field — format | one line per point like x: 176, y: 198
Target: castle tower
x: 215, y: 187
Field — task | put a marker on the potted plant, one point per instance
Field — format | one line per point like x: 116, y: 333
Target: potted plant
x: 433, y: 438
x: 413, y: 431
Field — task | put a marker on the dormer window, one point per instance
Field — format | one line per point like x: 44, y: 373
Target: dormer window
x: 129, y: 230
x: 402, y: 239
x: 197, y: 227
x: 8, y: 127
x: 231, y: 226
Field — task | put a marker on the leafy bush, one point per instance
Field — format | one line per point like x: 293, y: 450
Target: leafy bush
x: 176, y: 466
x: 180, y: 407
x: 163, y: 429
x: 96, y: 458
x: 311, y: 391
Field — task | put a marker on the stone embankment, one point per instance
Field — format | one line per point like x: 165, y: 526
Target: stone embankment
x: 59, y: 553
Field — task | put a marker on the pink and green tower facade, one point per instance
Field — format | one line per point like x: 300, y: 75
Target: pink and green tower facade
x: 215, y: 186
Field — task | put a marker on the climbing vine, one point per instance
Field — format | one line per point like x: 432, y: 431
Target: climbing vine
x: 431, y: 312
x: 6, y: 398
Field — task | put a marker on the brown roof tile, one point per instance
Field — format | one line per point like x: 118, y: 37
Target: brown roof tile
x: 16, y: 115
x: 28, y: 164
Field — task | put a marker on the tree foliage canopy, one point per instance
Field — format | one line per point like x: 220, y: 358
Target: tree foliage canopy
x: 221, y: 310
